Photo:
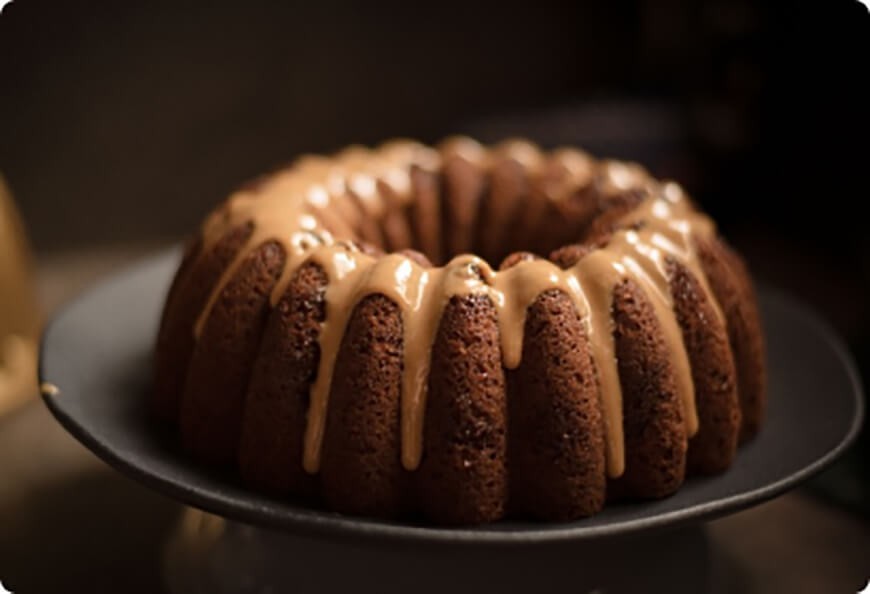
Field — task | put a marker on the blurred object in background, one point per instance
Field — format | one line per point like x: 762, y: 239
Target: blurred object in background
x: 19, y: 317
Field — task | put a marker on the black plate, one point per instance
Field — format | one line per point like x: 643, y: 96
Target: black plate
x: 97, y: 351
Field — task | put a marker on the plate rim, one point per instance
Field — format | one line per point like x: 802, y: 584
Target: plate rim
x: 325, y: 524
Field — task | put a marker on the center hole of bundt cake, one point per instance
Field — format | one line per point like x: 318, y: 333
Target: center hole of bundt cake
x: 463, y: 209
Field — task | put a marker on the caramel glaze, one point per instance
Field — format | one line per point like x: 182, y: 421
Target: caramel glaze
x: 322, y: 209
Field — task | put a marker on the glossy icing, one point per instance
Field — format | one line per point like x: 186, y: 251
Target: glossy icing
x: 315, y: 210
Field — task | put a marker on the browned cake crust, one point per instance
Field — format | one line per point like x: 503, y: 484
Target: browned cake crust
x: 734, y: 292
x: 565, y: 217
x: 276, y: 406
x: 425, y: 209
x: 655, y: 435
x: 395, y: 225
x: 555, y: 424
x: 220, y: 366
x: 608, y: 214
x: 361, y: 470
x: 239, y: 364
x: 463, y: 476
x: 713, y: 447
x: 508, y: 188
x: 464, y: 185
x: 192, y: 251
x: 175, y: 340
x: 750, y: 350
x: 529, y: 222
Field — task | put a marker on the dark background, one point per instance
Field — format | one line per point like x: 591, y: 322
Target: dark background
x: 123, y: 121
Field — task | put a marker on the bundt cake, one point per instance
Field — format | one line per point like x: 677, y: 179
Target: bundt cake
x: 330, y: 334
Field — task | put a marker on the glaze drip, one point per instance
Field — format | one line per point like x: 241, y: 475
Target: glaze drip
x: 316, y: 210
